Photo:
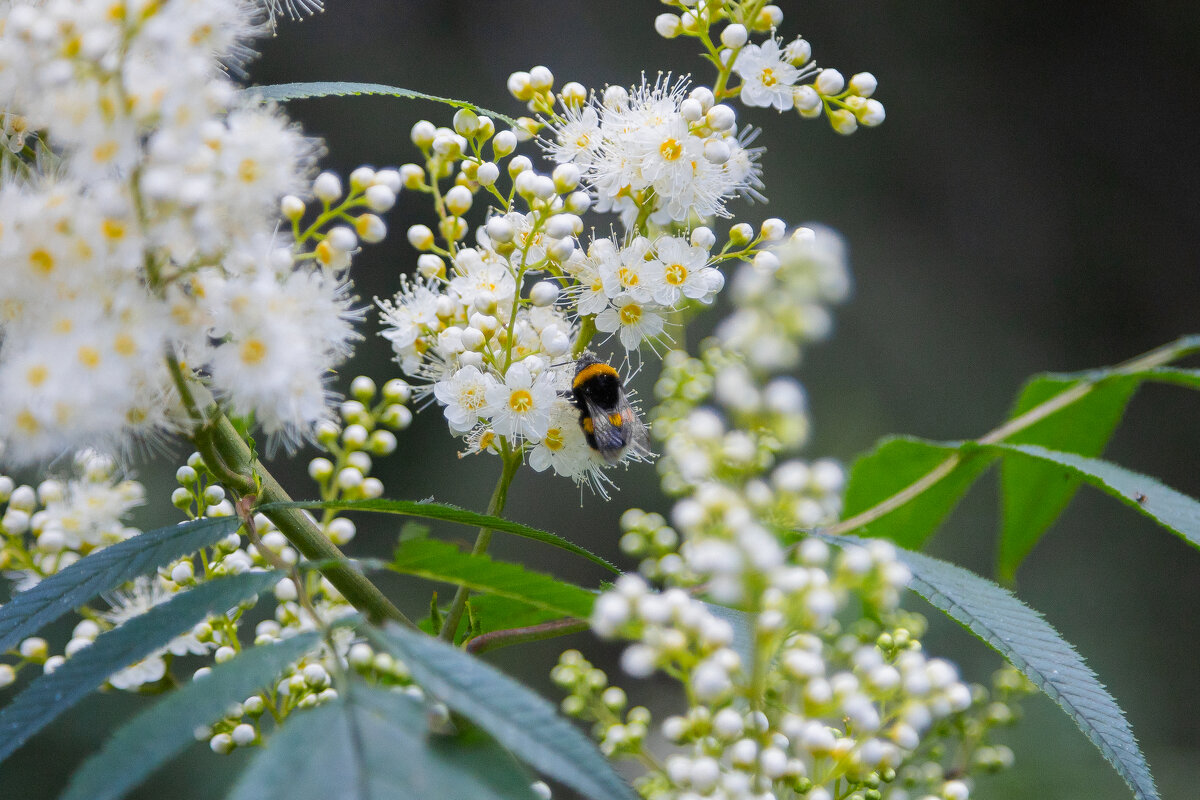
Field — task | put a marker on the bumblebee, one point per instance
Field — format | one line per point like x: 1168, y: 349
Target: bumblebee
x: 610, y: 424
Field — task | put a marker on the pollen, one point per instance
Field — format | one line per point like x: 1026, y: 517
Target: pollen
x: 248, y: 171
x: 27, y: 423
x: 113, y: 229
x: 628, y: 277
x: 676, y: 274
x: 37, y: 374
x: 41, y: 261
x: 521, y: 401
x: 553, y: 440
x: 105, y: 152
x: 253, y: 351
x: 89, y: 356
x: 124, y: 345
x: 670, y: 150
x: 630, y: 314
x: 768, y: 77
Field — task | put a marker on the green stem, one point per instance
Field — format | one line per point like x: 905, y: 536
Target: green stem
x: 1157, y: 357
x: 531, y: 633
x: 587, y: 329
x: 230, y: 458
x: 512, y: 460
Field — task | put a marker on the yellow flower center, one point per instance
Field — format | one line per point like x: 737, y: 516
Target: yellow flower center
x: 27, y: 423
x: 253, y: 351
x: 248, y: 170
x: 553, y: 439
x: 520, y: 401
x: 768, y: 77
x: 676, y: 274
x: 89, y: 357
x: 124, y: 344
x: 41, y: 261
x: 670, y: 150
x: 630, y: 314
x: 37, y: 375
x: 113, y: 229
x: 103, y: 153
x: 628, y: 277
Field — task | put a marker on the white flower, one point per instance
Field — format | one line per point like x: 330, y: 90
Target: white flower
x: 464, y: 394
x: 412, y: 314
x: 767, y: 75
x: 520, y: 407
x: 635, y: 321
x: 143, y: 595
x: 633, y: 271
x: 476, y: 274
x: 685, y: 272
x: 578, y: 137
x: 565, y: 449
x: 284, y: 338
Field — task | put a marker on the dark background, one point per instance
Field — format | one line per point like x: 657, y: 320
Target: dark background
x: 1030, y: 204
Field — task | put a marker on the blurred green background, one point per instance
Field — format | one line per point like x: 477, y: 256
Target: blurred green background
x: 1030, y: 204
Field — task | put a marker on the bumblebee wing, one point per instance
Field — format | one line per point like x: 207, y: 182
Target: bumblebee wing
x: 617, y: 431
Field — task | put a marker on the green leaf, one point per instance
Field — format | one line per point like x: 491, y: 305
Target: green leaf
x: 162, y: 731
x: 496, y: 613
x: 50, y: 695
x: 299, y: 91
x: 1173, y: 510
x: 1034, y: 493
x: 442, y: 561
x: 517, y: 717
x: 895, y: 463
x: 103, y: 570
x: 448, y: 513
x: 370, y: 744
x: 1030, y: 644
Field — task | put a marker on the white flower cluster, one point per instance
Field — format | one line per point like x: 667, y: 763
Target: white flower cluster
x: 772, y: 73
x: 802, y: 704
x: 144, y: 224
x: 659, y: 149
x: 82, y: 514
x: 487, y: 327
x: 47, y: 528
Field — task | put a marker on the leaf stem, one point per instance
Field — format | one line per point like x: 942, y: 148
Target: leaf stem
x: 1155, y: 358
x: 512, y: 461
x: 532, y: 633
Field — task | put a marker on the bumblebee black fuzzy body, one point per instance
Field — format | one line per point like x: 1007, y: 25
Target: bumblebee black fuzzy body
x: 610, y: 424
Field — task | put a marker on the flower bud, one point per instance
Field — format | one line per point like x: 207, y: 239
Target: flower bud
x: 327, y: 187
x: 487, y: 173
x: 543, y: 293
x: 466, y: 122
x: 734, y: 36
x: 830, y: 82
x: 668, y: 26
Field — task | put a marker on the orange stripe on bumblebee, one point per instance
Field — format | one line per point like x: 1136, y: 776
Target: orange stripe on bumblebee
x: 588, y: 427
x: 592, y: 371
x: 616, y: 419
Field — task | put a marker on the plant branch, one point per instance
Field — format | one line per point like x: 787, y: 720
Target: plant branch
x: 531, y: 633
x: 512, y: 460
x: 241, y: 471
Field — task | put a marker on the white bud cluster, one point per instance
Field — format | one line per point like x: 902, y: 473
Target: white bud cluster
x: 835, y: 703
